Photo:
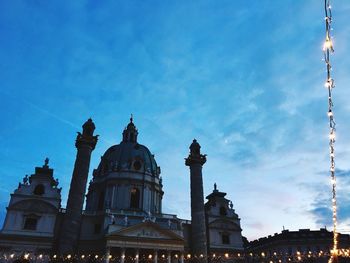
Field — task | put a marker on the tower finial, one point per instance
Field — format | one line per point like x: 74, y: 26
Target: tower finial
x: 215, y: 187
x: 131, y: 118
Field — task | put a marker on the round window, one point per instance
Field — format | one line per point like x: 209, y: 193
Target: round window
x: 137, y: 165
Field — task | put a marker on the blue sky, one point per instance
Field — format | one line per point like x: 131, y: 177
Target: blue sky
x: 243, y: 77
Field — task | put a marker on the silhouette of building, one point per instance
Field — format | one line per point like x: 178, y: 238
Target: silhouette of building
x: 312, y: 245
x: 123, y: 214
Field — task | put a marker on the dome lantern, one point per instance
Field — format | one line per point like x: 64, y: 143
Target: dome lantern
x: 130, y: 132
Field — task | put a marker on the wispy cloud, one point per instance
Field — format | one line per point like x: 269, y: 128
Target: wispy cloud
x: 245, y: 79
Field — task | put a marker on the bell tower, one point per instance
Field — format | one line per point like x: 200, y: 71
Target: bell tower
x: 85, y: 144
x: 195, y: 161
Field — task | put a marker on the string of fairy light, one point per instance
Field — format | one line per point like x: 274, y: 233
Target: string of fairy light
x: 329, y: 84
x: 267, y: 256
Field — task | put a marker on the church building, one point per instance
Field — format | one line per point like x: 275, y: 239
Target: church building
x: 123, y: 217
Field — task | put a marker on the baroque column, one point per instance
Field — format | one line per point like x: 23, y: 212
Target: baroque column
x: 122, y: 255
x: 85, y: 144
x: 195, y: 161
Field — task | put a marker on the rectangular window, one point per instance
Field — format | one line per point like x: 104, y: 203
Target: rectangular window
x: 97, y: 228
x: 225, y: 239
x: 30, y: 223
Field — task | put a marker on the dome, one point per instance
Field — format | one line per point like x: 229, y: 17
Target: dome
x: 129, y: 156
x: 127, y: 178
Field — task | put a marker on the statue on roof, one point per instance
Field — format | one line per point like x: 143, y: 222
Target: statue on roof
x: 46, y: 162
x: 231, y: 205
x: 25, y: 179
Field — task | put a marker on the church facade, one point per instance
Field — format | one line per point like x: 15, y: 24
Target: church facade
x: 123, y: 216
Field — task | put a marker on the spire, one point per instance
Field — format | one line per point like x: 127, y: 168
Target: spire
x: 130, y: 132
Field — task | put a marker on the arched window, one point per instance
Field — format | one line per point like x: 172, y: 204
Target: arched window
x: 30, y: 222
x: 39, y: 189
x: 134, y: 198
x: 223, y: 211
x: 101, y: 201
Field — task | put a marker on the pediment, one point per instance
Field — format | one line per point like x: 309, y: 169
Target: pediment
x: 36, y: 206
x: 224, y: 224
x: 148, y: 230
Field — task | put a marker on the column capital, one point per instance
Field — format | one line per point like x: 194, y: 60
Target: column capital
x: 86, y: 140
x: 196, y: 159
x: 87, y: 137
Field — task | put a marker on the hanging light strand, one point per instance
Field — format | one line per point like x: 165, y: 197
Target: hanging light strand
x: 329, y: 84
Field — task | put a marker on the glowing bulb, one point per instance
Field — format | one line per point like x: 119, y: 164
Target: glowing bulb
x: 327, y: 44
x: 40, y: 256
x: 226, y: 255
x: 12, y: 255
x: 96, y: 256
x: 110, y: 256
x: 26, y: 256
x: 82, y: 256
x: 69, y: 256
x: 149, y: 256
x: 330, y: 83
x: 54, y: 256
x: 188, y: 255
